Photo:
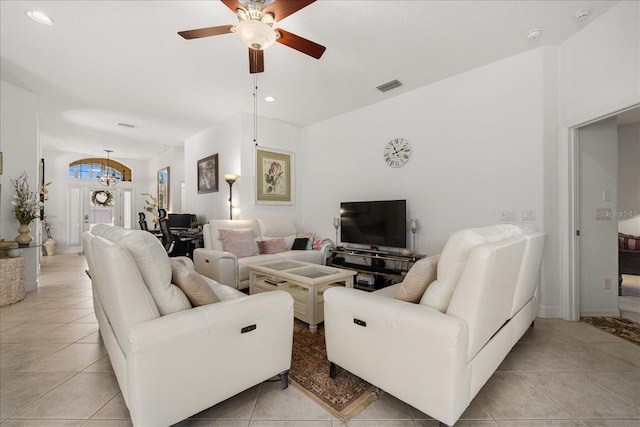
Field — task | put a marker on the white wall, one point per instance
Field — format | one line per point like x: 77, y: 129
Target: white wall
x: 224, y: 139
x: 477, y: 143
x: 21, y: 153
x: 629, y: 179
x: 233, y: 141
x: 600, y: 65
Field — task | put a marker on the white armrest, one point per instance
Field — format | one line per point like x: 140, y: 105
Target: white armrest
x: 398, y: 346
x: 326, y: 251
x: 198, y: 357
x: 186, y: 260
x: 218, y: 265
x: 225, y: 318
x: 414, y: 319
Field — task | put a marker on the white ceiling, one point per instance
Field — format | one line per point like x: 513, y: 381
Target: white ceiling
x: 105, y: 62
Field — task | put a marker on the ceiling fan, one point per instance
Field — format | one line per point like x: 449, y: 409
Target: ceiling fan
x: 255, y: 28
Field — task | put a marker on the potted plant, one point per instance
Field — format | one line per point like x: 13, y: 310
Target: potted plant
x: 151, y: 205
x: 26, y: 208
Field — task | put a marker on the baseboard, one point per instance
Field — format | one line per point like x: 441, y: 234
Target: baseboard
x: 549, y: 312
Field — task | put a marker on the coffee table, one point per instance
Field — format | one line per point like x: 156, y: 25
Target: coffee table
x: 305, y: 282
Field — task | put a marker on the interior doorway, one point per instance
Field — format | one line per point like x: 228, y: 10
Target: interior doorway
x: 571, y: 224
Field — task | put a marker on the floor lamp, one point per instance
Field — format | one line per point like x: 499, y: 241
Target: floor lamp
x: 230, y: 178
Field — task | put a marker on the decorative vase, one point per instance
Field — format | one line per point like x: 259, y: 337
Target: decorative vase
x: 50, y: 246
x: 24, y: 238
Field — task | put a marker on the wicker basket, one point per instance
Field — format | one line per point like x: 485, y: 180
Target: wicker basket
x: 12, y: 287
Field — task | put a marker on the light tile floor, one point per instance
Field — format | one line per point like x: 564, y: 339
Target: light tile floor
x: 54, y: 372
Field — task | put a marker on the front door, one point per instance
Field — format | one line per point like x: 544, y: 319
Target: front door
x: 101, y: 205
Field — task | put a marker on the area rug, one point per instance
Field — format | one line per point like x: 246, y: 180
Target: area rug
x: 345, y: 396
x: 619, y: 326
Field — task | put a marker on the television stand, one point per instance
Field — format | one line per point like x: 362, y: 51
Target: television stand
x: 386, y: 267
x: 365, y: 251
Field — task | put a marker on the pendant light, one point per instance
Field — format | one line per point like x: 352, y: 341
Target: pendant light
x: 107, y: 176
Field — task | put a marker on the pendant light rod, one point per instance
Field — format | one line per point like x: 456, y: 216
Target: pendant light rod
x: 255, y: 109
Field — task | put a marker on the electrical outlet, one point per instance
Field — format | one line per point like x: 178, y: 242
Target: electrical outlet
x: 507, y: 215
x: 528, y: 215
x: 607, y: 283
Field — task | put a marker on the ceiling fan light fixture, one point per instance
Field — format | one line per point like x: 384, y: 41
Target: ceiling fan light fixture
x: 255, y: 34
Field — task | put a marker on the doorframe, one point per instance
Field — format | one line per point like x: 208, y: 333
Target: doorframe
x: 569, y: 205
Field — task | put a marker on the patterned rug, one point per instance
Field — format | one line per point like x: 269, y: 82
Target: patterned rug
x: 345, y: 396
x: 619, y: 326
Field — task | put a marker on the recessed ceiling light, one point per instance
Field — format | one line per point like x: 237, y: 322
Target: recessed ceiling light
x: 39, y: 17
x: 582, y: 14
x: 534, y: 34
x: 270, y: 98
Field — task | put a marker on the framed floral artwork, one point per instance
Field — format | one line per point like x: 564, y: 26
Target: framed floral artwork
x: 274, y: 176
x: 163, y: 188
x: 208, y: 174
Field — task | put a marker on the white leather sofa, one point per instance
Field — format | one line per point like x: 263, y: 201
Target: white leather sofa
x: 437, y: 359
x: 171, y: 360
x: 225, y: 267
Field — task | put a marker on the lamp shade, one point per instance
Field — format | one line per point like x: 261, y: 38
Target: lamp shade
x: 255, y: 34
x: 230, y: 178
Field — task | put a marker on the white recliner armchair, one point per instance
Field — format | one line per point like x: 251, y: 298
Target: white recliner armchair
x: 437, y: 352
x: 172, y: 360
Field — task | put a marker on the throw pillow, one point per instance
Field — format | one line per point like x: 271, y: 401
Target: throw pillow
x: 418, y: 279
x: 310, y: 237
x: 317, y: 243
x: 192, y: 284
x: 239, y: 242
x: 272, y: 246
x: 300, y: 244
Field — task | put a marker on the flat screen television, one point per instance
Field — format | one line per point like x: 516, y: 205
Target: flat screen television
x: 374, y: 223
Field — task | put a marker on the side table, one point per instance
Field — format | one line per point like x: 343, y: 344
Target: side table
x: 12, y: 288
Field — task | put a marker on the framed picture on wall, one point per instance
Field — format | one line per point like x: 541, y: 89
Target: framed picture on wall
x: 208, y: 174
x: 274, y: 176
x: 163, y: 188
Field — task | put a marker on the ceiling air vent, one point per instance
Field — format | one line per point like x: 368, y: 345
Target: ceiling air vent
x: 126, y: 125
x: 389, y: 85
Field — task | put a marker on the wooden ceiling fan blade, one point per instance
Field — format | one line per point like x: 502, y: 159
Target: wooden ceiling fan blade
x: 233, y: 5
x: 283, y: 8
x: 206, y: 32
x: 300, y: 44
x: 256, y: 61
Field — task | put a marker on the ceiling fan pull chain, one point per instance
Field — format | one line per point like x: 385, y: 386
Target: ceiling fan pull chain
x: 255, y: 109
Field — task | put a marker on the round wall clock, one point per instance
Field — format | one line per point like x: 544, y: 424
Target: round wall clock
x: 397, y: 152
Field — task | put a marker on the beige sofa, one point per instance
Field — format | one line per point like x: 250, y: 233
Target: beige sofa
x: 171, y: 360
x: 227, y: 268
x: 437, y: 353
